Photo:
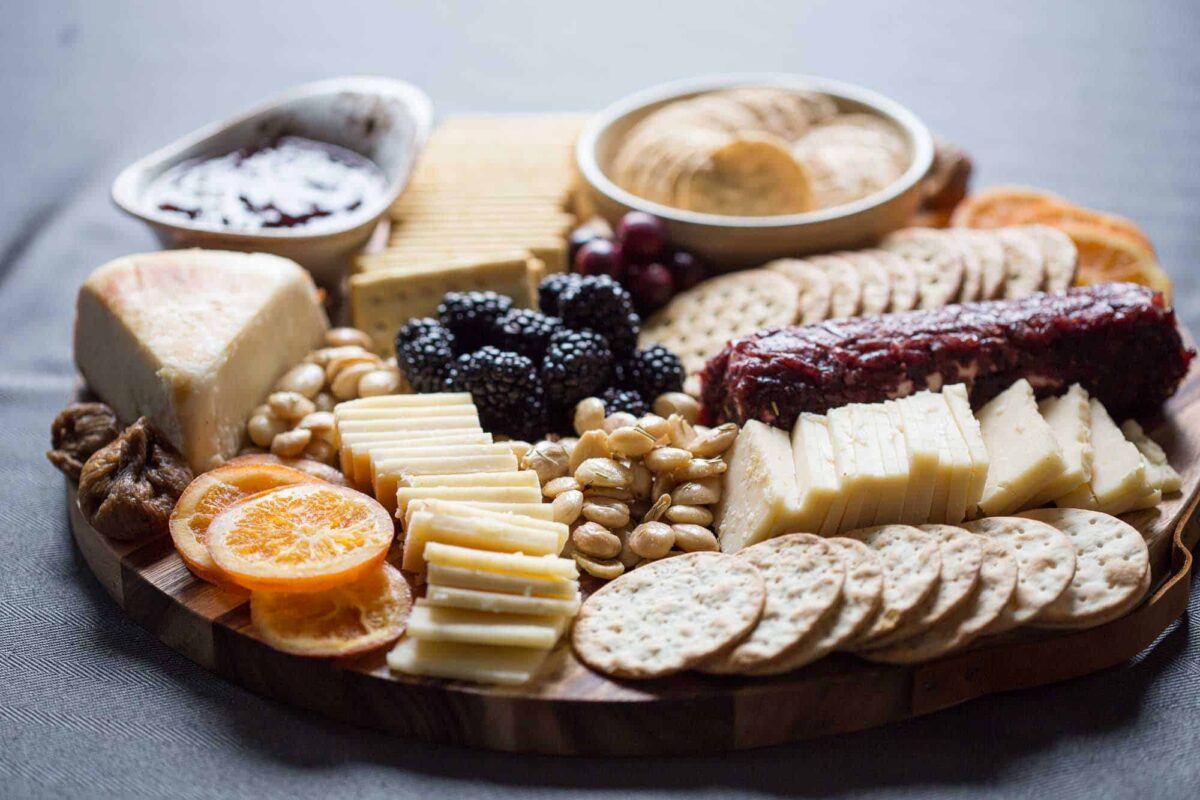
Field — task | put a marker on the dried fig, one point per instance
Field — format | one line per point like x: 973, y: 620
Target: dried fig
x: 79, y: 430
x: 128, y: 488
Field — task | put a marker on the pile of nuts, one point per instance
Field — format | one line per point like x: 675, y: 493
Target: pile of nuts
x: 297, y: 419
x: 634, y: 490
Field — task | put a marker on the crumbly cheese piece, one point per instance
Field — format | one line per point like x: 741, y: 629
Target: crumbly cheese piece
x: 921, y: 447
x: 816, y: 471
x: 760, y: 495
x: 526, y: 477
x: 499, y: 602
x: 547, y: 566
x: 357, y: 454
x: 1070, y: 419
x: 492, y: 494
x: 478, y: 532
x: 1159, y: 472
x: 1119, y: 482
x: 389, y: 473
x: 409, y: 400
x: 1024, y: 453
x: 894, y: 483
x: 505, y: 666
x: 436, y: 624
x: 482, y: 580
x: 383, y: 300
x: 968, y: 427
x: 194, y: 340
x: 478, y: 510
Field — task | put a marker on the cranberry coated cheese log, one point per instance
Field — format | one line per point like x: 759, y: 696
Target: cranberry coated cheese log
x: 1118, y: 340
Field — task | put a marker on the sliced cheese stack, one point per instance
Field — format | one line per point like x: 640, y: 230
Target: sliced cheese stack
x: 498, y: 596
x: 916, y: 460
x: 403, y: 448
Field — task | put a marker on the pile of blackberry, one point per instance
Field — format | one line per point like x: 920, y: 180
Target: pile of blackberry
x: 527, y: 369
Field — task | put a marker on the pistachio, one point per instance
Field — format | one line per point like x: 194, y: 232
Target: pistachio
x: 679, y: 403
x: 589, y: 415
x: 604, y: 472
x: 714, y: 442
x: 652, y: 539
x: 263, y: 428
x: 680, y: 431
x: 291, y: 444
x: 701, y: 468
x: 595, y: 540
x: 619, y: 419
x: 593, y: 444
x: 343, y: 337
x: 567, y: 506
x: 655, y: 425
x: 703, y: 492
x: 305, y: 379
x: 554, y: 488
x: 290, y: 406
x: 630, y: 442
x: 548, y: 459
x: 693, y: 538
x: 666, y: 459
x: 609, y: 513
x: 378, y: 382
x: 602, y: 568
x: 689, y: 515
x: 655, y: 512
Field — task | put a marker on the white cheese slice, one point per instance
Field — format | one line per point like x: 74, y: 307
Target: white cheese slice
x: 1070, y: 419
x: 488, y: 494
x: 525, y: 477
x: 540, y: 512
x: 344, y: 413
x: 482, y: 580
x: 816, y: 471
x: 968, y: 427
x: 479, y: 533
x: 863, y: 486
x: 921, y: 447
x: 480, y: 511
x: 1159, y: 472
x: 357, y: 455
x: 848, y: 504
x: 1118, y: 481
x: 894, y: 483
x: 437, y: 624
x: 548, y: 566
x: 390, y: 473
x: 194, y: 340
x: 1023, y: 452
x: 389, y: 459
x: 499, y: 602
x: 409, y: 400
x: 504, y: 666
x: 760, y: 496
x: 460, y: 422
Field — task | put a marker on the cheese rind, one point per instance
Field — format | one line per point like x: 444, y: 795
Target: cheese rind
x: 1024, y: 454
x: 194, y: 340
x: 760, y: 496
x: 505, y: 666
x: 1070, y: 419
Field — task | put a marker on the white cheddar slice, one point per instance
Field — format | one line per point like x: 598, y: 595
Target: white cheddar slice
x: 480, y: 511
x: 493, y: 494
x: 478, y: 532
x: 505, y: 666
x: 953, y: 484
x: 342, y: 413
x: 894, y: 482
x: 499, y: 603
x: 436, y: 624
x: 359, y: 455
x: 760, y: 496
x: 388, y: 482
x: 548, y: 566
x: 468, y: 422
x: 484, y: 581
x: 1024, y: 454
x: 525, y: 477
x: 968, y: 427
x: 816, y: 471
x: 537, y: 512
x: 390, y: 459
x: 860, y: 463
x: 1070, y: 419
x: 1118, y: 481
x: 1159, y: 472
x: 410, y: 400
x: 849, y: 502
x: 921, y: 447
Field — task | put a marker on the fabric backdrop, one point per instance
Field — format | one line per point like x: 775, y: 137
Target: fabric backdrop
x: 1095, y: 100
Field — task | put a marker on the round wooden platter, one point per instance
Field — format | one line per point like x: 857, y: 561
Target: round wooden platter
x: 568, y: 709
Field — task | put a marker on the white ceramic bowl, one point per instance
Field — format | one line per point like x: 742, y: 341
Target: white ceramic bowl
x: 385, y: 120
x: 730, y: 242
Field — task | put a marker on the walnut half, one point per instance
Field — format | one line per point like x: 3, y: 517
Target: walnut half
x: 128, y: 488
x: 79, y: 430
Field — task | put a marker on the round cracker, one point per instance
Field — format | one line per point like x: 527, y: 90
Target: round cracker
x: 911, y: 568
x: 940, y: 269
x: 697, y: 323
x: 746, y: 177
x: 1111, y: 565
x: 876, y: 282
x: 669, y: 615
x: 1059, y: 254
x: 1024, y: 265
x: 1114, y: 613
x: 841, y: 173
x: 846, y: 299
x: 996, y: 587
x: 861, y: 596
x: 775, y: 112
x: 903, y: 278
x: 813, y: 284
x: 863, y: 130
x: 1045, y: 564
x: 803, y: 577
x: 990, y: 253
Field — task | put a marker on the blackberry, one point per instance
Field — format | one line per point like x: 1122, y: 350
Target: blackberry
x: 551, y: 288
x: 601, y: 304
x: 416, y: 328
x: 527, y: 332
x: 506, y: 390
x: 650, y: 372
x: 427, y: 360
x: 624, y: 400
x: 577, y: 364
x: 471, y: 316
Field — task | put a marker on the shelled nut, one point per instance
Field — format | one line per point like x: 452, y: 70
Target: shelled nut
x: 344, y: 386
x: 699, y: 468
x: 714, y: 442
x: 656, y: 511
x: 291, y: 444
x: 630, y: 442
x: 694, y: 538
x: 679, y: 403
x: 595, y: 540
x: 619, y: 419
x: 698, y: 493
x: 680, y: 431
x: 548, y: 459
x: 567, y: 506
x: 343, y: 337
x: 689, y: 515
x: 263, y: 428
x: 290, y: 406
x: 378, y: 382
x: 589, y: 415
x: 593, y: 444
x: 609, y: 513
x: 652, y: 539
x: 305, y: 379
x: 667, y: 459
x: 604, y: 472
x: 554, y: 488
x: 655, y: 425
x: 603, y: 568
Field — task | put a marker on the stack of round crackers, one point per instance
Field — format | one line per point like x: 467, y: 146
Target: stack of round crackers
x: 758, y: 151
x: 892, y: 594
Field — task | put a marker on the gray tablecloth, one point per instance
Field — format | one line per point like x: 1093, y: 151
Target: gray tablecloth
x: 1095, y: 100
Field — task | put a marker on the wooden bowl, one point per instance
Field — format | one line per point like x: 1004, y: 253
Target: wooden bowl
x: 385, y: 120
x: 729, y: 242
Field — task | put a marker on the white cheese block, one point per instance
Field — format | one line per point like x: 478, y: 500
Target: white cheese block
x: 482, y: 580
x: 499, y: 602
x: 1070, y: 419
x: 968, y: 427
x: 491, y: 494
x: 478, y: 532
x: 921, y: 447
x: 816, y: 471
x: 358, y: 455
x: 760, y: 496
x: 194, y: 340
x: 499, y: 511
x: 1024, y: 453
x: 1159, y: 473
x: 436, y: 624
x: 1118, y: 481
x: 894, y: 483
x: 547, y: 566
x: 505, y: 666
x: 525, y: 477
x: 409, y: 400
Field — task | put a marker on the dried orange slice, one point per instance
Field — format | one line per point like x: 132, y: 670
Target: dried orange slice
x: 999, y: 206
x: 315, y: 468
x: 1059, y: 214
x: 301, y: 538
x: 210, y: 494
x: 1106, y: 257
x: 354, y: 618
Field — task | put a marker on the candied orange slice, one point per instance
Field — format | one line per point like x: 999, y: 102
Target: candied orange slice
x: 210, y: 494
x: 315, y: 468
x: 301, y: 538
x: 354, y: 618
x: 1106, y: 257
x: 999, y: 206
x: 1058, y: 215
